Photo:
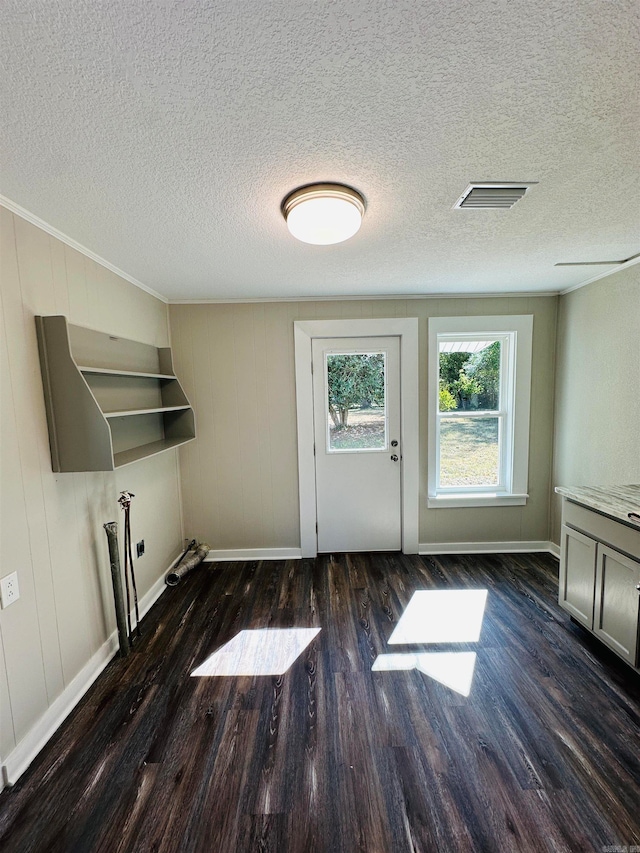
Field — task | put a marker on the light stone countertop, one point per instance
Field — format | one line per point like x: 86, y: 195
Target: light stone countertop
x: 614, y: 501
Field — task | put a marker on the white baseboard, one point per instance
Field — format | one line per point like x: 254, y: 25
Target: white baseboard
x: 554, y: 550
x: 23, y: 754
x: 235, y: 554
x: 152, y: 595
x: 485, y: 547
x: 248, y: 554
x: 21, y: 757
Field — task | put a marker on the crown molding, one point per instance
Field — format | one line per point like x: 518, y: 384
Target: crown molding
x: 606, y: 274
x: 363, y: 298
x: 45, y: 226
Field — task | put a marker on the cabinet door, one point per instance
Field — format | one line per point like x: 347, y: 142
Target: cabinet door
x: 577, y: 575
x: 617, y: 602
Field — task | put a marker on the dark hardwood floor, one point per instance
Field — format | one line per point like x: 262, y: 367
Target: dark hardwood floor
x: 543, y: 755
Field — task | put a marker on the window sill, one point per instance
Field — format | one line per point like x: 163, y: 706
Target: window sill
x: 475, y: 500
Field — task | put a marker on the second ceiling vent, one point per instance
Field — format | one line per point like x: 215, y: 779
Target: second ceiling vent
x: 490, y: 196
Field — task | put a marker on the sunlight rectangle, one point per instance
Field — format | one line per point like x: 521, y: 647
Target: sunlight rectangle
x: 442, y: 616
x: 453, y: 669
x: 264, y: 651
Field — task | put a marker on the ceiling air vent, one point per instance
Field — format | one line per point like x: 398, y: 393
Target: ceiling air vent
x: 492, y: 196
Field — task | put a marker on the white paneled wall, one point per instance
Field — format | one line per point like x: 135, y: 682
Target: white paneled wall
x: 51, y: 524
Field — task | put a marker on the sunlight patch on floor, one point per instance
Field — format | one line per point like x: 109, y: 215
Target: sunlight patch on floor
x: 264, y: 651
x: 442, y: 616
x: 453, y: 669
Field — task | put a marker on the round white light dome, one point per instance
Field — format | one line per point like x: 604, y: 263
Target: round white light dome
x: 323, y: 214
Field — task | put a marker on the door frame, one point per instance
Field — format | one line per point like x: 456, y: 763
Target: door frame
x: 406, y: 329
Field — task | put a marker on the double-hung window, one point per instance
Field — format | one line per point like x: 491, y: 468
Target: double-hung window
x: 479, y: 400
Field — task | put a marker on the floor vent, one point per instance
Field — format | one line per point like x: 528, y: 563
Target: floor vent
x: 491, y: 196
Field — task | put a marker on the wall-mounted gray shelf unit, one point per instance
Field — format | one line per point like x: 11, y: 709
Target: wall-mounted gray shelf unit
x: 110, y: 401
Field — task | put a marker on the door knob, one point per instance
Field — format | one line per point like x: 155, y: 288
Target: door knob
x: 394, y: 457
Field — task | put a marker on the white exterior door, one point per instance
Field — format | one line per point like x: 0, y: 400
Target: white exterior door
x: 358, y: 457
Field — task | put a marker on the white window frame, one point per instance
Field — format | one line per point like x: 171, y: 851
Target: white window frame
x: 515, y: 332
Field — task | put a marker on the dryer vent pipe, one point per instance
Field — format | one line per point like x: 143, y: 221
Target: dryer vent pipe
x: 192, y: 557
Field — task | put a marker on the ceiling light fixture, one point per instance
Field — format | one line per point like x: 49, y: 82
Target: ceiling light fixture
x: 323, y: 214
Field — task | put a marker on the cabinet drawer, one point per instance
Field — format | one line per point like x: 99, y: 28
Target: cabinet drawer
x: 614, y: 533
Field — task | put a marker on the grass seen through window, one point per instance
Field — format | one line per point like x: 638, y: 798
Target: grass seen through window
x: 469, y: 452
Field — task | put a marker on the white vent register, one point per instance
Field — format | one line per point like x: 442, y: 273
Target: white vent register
x: 492, y: 196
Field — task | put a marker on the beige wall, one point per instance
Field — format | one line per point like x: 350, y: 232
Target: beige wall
x: 239, y: 478
x: 51, y: 524
x: 597, y: 416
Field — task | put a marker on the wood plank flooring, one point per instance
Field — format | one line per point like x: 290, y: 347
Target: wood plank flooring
x: 543, y: 755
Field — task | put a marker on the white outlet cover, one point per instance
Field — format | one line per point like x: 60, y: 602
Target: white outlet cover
x: 9, y: 590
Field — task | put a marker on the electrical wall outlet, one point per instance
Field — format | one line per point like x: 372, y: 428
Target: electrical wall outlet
x: 9, y: 591
x: 140, y: 548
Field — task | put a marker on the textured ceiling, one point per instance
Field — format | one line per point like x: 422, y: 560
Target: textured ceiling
x: 163, y: 136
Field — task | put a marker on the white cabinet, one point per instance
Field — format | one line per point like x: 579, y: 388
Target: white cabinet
x: 578, y: 575
x: 617, y: 602
x: 600, y: 577
x: 110, y: 401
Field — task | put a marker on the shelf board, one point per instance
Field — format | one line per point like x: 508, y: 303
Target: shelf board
x: 126, y: 413
x: 108, y: 371
x: 125, y: 457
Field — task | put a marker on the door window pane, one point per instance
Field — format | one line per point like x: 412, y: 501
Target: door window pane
x: 356, y: 406
x: 469, y: 375
x: 469, y: 451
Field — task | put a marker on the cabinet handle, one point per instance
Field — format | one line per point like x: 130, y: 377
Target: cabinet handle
x: 638, y: 587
